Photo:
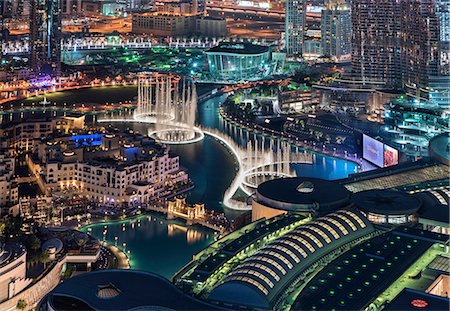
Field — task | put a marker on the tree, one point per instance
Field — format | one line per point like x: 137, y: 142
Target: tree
x: 34, y: 243
x: 21, y: 304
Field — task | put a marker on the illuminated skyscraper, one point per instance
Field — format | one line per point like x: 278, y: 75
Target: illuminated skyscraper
x: 295, y: 26
x: 45, y: 37
x: 336, y: 32
x: 403, y: 44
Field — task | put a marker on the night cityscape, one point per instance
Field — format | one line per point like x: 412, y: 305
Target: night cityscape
x: 224, y: 155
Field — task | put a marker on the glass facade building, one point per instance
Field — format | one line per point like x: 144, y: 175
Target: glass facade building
x: 295, y: 26
x: 336, y: 33
x: 238, y: 61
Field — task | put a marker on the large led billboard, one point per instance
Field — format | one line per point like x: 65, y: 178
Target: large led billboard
x: 373, y: 151
x: 390, y: 156
x: 378, y: 153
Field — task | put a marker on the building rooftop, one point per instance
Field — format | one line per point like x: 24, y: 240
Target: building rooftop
x: 396, y: 176
x: 360, y: 275
x: 302, y: 194
x: 225, y: 253
x: 238, y: 48
x: 386, y: 202
x: 260, y: 280
x: 122, y: 290
x: 410, y: 299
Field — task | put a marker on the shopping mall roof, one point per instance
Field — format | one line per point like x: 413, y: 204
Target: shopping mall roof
x: 410, y: 299
x: 357, y: 277
x: 239, y: 48
x: 260, y: 280
x: 225, y: 253
x: 302, y: 194
x: 434, y: 206
x: 386, y: 202
x: 122, y: 290
x: 397, y: 176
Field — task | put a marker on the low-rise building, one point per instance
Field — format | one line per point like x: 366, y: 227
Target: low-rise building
x: 108, y: 168
x: 25, y: 135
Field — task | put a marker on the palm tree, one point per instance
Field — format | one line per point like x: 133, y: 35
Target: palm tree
x: 21, y: 304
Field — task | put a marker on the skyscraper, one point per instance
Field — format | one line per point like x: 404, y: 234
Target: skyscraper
x: 403, y: 44
x: 295, y: 26
x: 45, y: 37
x: 375, y: 56
x: 336, y: 32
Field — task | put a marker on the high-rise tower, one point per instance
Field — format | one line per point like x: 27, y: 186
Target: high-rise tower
x: 403, y: 44
x: 295, y: 26
x: 336, y: 32
x: 45, y: 37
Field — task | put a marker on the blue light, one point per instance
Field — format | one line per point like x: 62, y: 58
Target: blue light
x: 87, y: 139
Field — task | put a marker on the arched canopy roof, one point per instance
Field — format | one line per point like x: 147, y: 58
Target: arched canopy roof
x: 270, y: 270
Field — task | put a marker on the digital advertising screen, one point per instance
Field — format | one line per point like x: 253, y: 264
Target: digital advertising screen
x: 373, y: 151
x: 390, y: 156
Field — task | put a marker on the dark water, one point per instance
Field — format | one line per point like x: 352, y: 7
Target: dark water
x: 162, y: 246
x: 154, y: 244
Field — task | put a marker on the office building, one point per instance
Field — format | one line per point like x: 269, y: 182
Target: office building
x: 336, y: 33
x: 45, y: 37
x: 12, y: 8
x: 71, y: 8
x: 295, y: 27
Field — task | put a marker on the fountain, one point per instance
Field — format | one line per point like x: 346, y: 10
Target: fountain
x: 258, y: 161
x: 170, y: 102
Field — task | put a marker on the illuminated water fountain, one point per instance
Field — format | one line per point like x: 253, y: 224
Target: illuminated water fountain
x: 170, y: 102
x: 259, y: 161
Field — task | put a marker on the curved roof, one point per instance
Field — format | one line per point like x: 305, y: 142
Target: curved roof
x: 439, y: 148
x: 386, y: 202
x: 302, y: 194
x: 122, y: 290
x: 244, y: 48
x: 260, y: 279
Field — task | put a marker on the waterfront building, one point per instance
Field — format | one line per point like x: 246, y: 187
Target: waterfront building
x: 170, y: 24
x: 336, y: 33
x: 108, y: 168
x: 45, y: 37
x: 238, y: 61
x: 13, y: 268
x: 9, y: 190
x: 295, y: 27
x: 178, y: 206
